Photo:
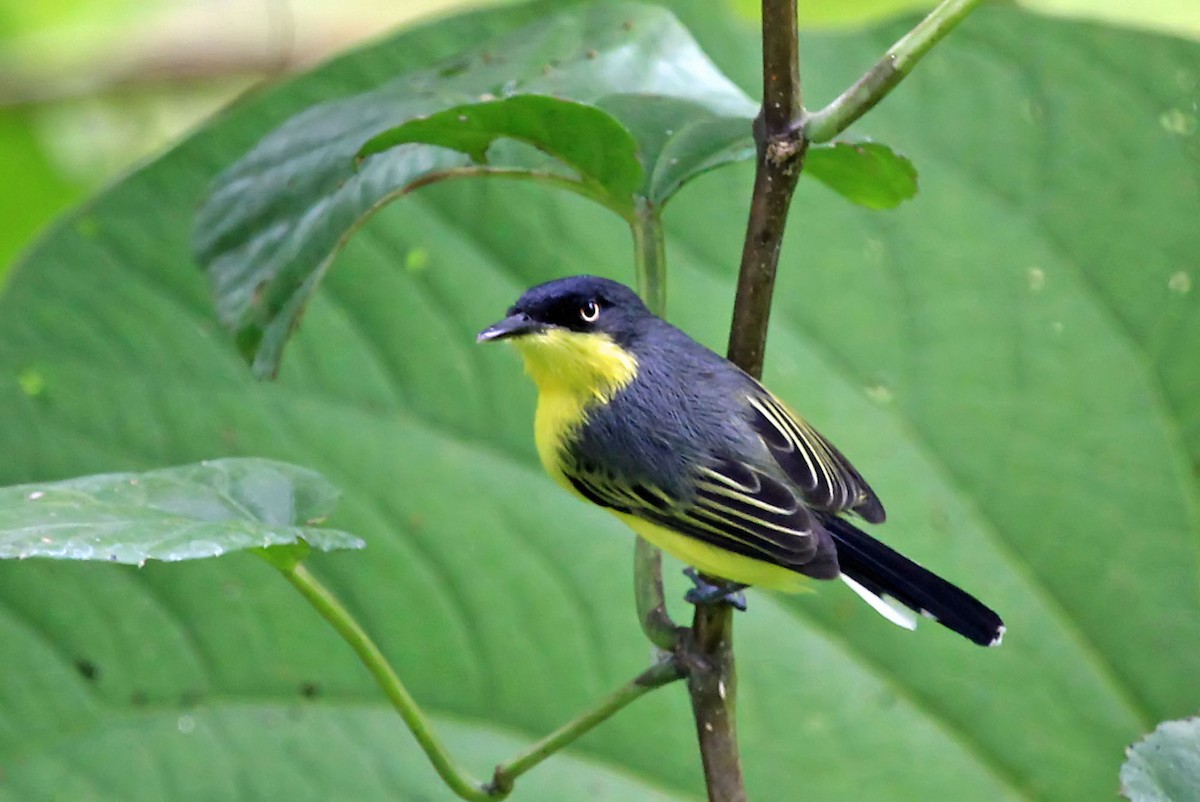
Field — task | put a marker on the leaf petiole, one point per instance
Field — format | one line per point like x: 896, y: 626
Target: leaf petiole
x: 650, y: 264
x: 661, y: 673
x: 877, y: 82
x: 458, y: 780
x: 352, y: 632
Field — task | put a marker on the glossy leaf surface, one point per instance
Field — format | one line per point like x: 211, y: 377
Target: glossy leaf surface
x: 185, y: 513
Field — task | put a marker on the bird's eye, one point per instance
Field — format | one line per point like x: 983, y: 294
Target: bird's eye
x: 589, y: 312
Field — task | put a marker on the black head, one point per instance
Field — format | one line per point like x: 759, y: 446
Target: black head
x: 579, y: 303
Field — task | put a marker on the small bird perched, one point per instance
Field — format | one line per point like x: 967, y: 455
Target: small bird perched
x: 704, y: 462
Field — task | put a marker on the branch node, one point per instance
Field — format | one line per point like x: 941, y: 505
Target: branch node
x: 888, y: 71
x: 787, y: 152
x: 501, y: 784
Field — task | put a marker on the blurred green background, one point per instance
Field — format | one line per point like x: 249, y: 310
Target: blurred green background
x: 89, y: 88
x: 1087, y: 306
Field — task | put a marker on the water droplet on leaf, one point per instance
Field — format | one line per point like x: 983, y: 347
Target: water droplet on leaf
x: 1037, y: 278
x: 879, y: 393
x: 1178, y: 122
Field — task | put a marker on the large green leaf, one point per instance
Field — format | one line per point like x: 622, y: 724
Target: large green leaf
x: 275, y: 218
x: 600, y: 151
x: 680, y: 139
x: 1165, y: 765
x: 1011, y: 359
x: 662, y: 116
x: 867, y: 173
x: 184, y: 513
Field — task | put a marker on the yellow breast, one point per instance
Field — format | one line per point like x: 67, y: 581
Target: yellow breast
x: 575, y: 371
x: 572, y: 371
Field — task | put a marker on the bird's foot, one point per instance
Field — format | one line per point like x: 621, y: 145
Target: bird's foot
x: 708, y: 593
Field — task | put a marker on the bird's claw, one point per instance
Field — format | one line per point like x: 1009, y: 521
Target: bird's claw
x: 708, y: 593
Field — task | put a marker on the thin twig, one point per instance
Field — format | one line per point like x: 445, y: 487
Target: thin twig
x: 648, y: 593
x: 896, y: 63
x: 650, y: 256
x: 782, y: 132
x: 340, y: 618
x: 659, y: 674
x: 664, y: 671
x: 651, y: 265
x: 781, y: 148
x: 707, y: 657
x: 708, y: 652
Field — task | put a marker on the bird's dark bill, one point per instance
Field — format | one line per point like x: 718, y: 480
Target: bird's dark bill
x: 512, y: 326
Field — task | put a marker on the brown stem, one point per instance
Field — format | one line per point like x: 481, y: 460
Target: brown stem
x: 774, y: 182
x: 782, y: 133
x: 707, y: 655
x: 778, y: 132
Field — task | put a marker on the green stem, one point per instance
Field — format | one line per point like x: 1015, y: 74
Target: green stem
x: 650, y: 262
x: 707, y: 652
x: 464, y: 785
x: 656, y: 676
x: 340, y: 618
x: 651, y: 602
x: 650, y: 256
x: 896, y: 63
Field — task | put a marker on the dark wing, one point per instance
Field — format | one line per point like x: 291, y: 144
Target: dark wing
x: 734, y: 507
x: 825, y: 478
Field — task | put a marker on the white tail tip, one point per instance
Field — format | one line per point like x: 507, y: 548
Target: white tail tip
x: 886, y: 606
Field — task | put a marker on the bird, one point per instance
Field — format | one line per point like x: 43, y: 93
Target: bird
x: 701, y: 460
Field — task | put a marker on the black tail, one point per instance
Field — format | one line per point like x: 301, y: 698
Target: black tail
x: 887, y: 573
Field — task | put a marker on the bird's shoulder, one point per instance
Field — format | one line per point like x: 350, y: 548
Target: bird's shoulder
x: 687, y: 407
x: 690, y: 411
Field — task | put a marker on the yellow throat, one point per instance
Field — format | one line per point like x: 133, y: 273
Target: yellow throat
x: 572, y: 371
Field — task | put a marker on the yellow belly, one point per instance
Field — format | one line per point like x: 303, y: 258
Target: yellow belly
x: 557, y: 414
x: 715, y: 561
